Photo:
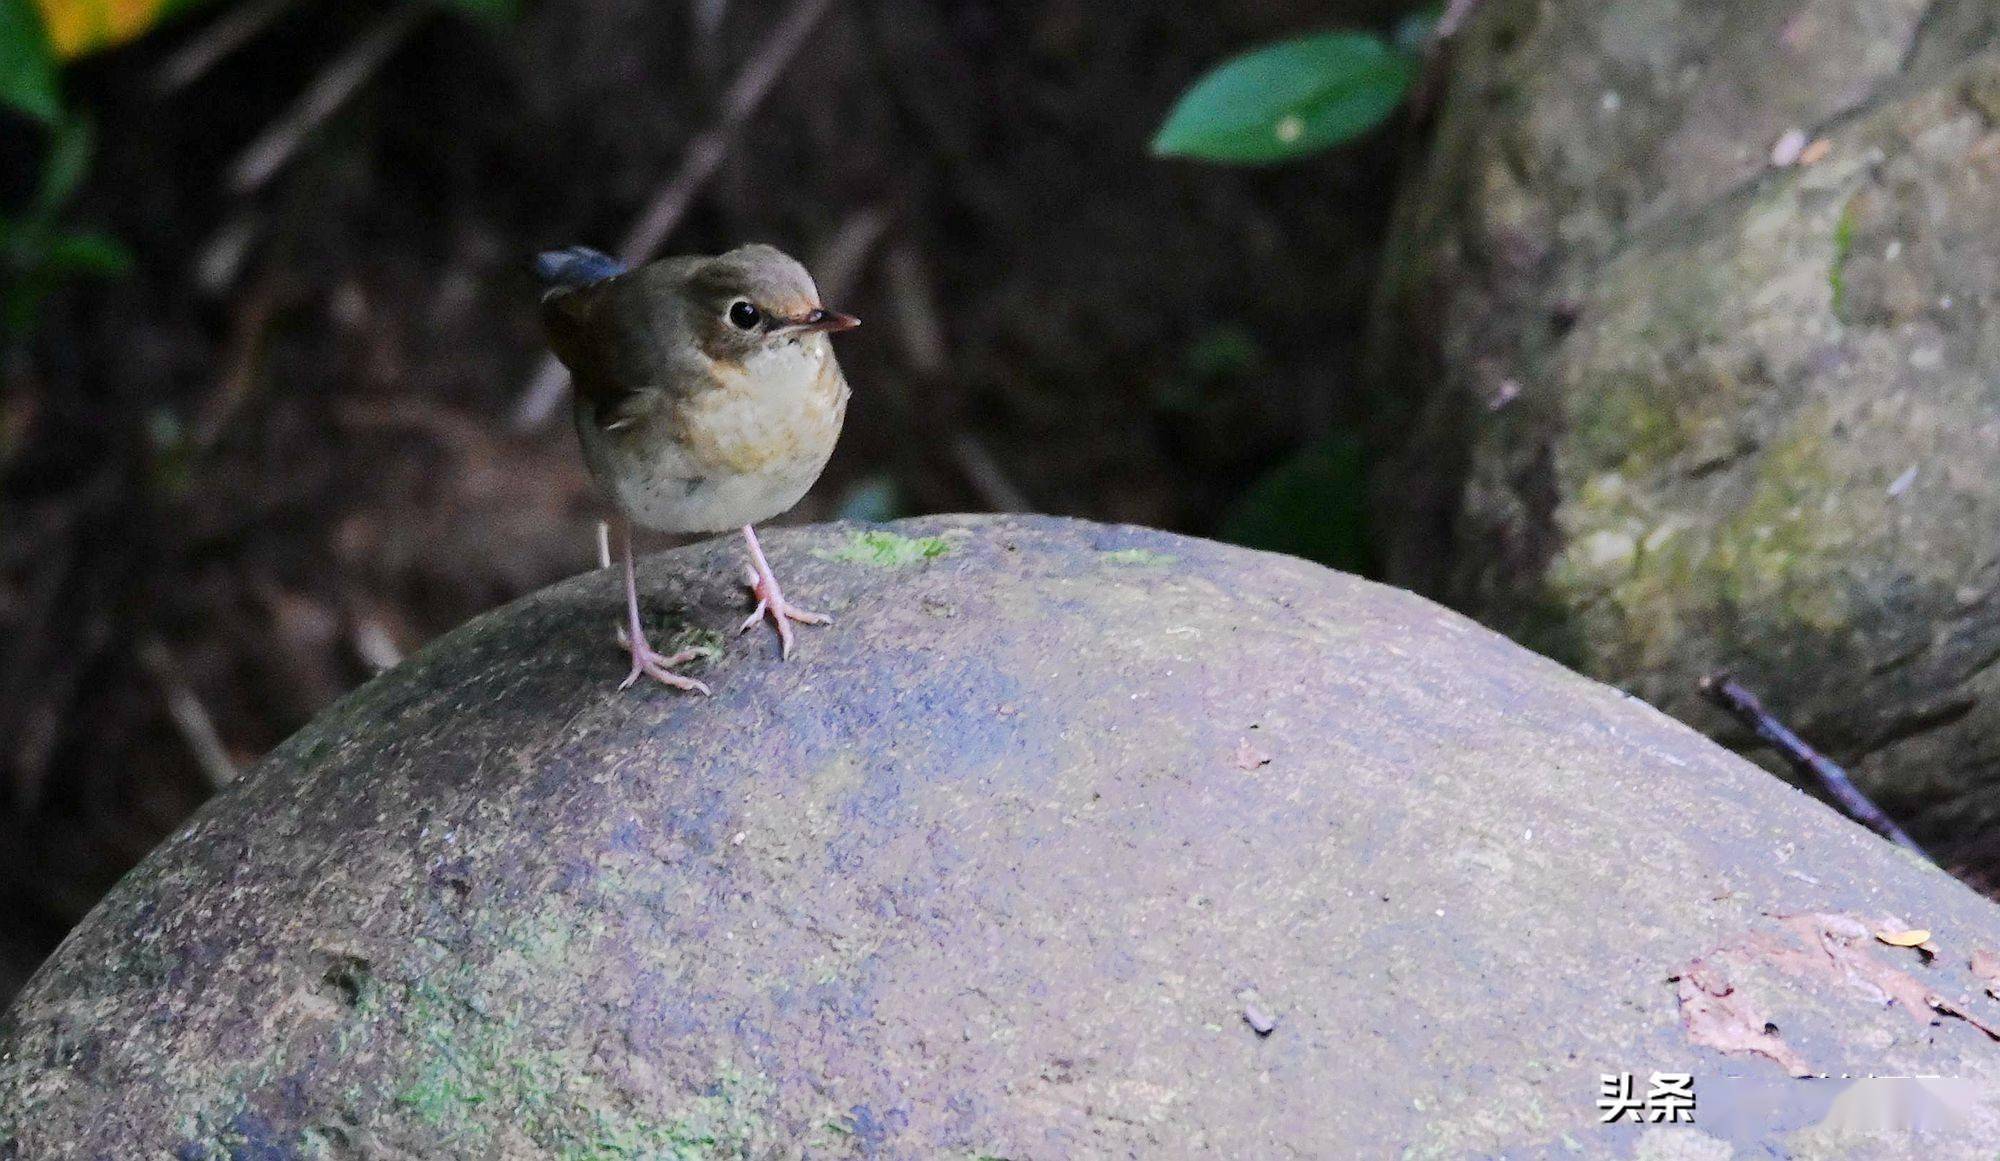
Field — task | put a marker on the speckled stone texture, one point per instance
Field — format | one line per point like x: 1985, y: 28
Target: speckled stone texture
x: 994, y: 866
x: 1679, y: 408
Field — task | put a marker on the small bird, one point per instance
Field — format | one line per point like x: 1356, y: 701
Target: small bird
x: 707, y: 398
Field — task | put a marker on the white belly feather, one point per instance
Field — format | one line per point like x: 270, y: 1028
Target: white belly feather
x: 742, y: 451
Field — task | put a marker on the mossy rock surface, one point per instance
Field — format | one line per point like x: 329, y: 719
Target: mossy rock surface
x: 993, y: 866
x: 1685, y: 409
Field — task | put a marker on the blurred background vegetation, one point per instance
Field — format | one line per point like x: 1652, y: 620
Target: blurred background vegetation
x: 268, y: 420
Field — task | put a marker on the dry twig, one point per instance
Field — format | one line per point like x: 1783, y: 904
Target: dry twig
x: 243, y: 358
x: 840, y: 261
x: 1727, y: 692
x: 323, y: 98
x: 919, y: 325
x: 236, y: 27
x: 189, y: 716
x: 699, y: 161
x: 995, y: 489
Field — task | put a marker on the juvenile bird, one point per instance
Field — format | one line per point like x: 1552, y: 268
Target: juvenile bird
x: 707, y: 398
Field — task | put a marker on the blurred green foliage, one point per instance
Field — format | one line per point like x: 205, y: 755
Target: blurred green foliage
x: 36, y: 38
x: 37, y: 254
x: 27, y: 63
x: 1313, y: 505
x: 1289, y: 99
x: 1272, y: 104
x: 497, y: 11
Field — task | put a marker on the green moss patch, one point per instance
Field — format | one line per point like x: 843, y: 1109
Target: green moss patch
x: 881, y: 549
x: 1843, y: 247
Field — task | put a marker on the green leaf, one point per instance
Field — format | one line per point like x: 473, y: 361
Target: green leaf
x: 1289, y: 99
x: 492, y: 11
x: 73, y: 254
x: 1314, y: 505
x: 27, y: 66
x: 63, y: 167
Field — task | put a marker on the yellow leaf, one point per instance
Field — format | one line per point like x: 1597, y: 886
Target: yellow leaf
x: 77, y: 27
x: 1904, y: 938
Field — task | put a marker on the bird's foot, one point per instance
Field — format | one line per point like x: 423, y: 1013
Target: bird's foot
x: 771, y: 603
x: 647, y: 662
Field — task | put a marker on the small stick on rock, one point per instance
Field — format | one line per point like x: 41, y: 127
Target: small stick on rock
x: 1259, y: 1018
x: 1725, y: 691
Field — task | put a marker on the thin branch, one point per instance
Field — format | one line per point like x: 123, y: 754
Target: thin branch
x: 374, y: 644
x: 219, y: 260
x: 838, y: 265
x: 1430, y: 74
x: 243, y: 359
x: 699, y: 161
x: 919, y: 324
x: 232, y: 30
x: 1455, y: 15
x: 705, y: 153
x: 189, y: 716
x: 323, y: 98
x: 1727, y: 692
x: 982, y: 470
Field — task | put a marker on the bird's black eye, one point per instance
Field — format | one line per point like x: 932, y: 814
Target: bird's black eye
x: 745, y: 316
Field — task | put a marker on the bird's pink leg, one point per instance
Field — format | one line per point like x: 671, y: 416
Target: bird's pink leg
x: 644, y: 660
x: 771, y: 600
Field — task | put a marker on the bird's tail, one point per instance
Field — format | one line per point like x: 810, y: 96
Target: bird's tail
x: 575, y: 266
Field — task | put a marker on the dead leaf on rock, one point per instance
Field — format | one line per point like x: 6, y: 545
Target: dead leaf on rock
x: 1915, y: 937
x: 1950, y: 1009
x: 1722, y: 1018
x: 1847, y: 960
x: 1825, y: 948
x: 1985, y: 967
x: 1249, y: 757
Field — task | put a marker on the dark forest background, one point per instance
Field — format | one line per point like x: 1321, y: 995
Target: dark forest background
x: 281, y: 446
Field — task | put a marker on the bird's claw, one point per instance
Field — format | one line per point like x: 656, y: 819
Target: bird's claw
x: 771, y: 603
x: 651, y: 664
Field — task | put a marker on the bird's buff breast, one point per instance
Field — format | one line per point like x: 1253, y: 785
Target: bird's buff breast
x: 739, y: 452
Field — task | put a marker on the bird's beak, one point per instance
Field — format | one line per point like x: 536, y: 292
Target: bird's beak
x: 823, y: 321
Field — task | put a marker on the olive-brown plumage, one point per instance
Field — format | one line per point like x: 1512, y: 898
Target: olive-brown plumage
x: 707, y: 398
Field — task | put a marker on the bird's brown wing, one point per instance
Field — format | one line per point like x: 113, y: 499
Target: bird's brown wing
x: 587, y: 332
x: 615, y: 336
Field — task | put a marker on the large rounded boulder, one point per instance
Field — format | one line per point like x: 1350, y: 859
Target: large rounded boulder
x: 1697, y: 301
x: 1063, y: 840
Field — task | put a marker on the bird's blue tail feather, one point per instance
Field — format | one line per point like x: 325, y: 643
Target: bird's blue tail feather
x: 575, y: 266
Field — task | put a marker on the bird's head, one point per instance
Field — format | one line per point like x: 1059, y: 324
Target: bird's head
x: 755, y: 298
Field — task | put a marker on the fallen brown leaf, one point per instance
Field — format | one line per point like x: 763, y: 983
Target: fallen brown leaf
x: 1824, y: 947
x: 1985, y: 967
x: 1722, y: 1018
x: 1915, y: 937
x: 1846, y: 960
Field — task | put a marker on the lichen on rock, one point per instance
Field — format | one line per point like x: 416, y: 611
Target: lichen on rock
x: 1751, y: 415
x: 995, y: 882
